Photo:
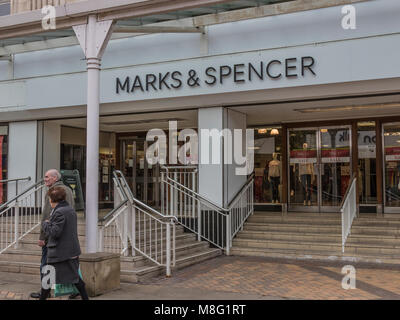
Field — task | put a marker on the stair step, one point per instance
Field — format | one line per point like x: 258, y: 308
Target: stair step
x: 316, y: 255
x: 291, y: 228
x: 278, y: 235
x: 144, y: 273
x: 285, y: 253
x: 294, y: 221
x: 180, y: 251
x: 287, y: 244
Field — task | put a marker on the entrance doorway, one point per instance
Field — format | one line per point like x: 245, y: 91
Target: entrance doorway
x: 391, y: 146
x: 319, y: 167
x: 143, y: 178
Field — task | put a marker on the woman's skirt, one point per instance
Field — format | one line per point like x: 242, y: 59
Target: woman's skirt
x: 67, y: 272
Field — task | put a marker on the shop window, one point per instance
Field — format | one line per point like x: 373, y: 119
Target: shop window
x: 367, y: 162
x: 392, y: 164
x: 3, y: 162
x: 268, y: 165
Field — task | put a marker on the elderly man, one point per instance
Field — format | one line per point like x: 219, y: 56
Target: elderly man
x: 52, y: 178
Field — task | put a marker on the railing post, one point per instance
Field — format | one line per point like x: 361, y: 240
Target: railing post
x: 125, y: 236
x: 241, y: 212
x: 198, y: 219
x: 101, y: 239
x: 133, y: 231
x: 175, y: 194
x: 16, y: 224
x: 173, y: 244
x: 168, y: 249
x: 162, y: 193
x: 228, y: 233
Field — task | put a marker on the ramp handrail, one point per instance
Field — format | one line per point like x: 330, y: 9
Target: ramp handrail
x: 147, y: 228
x: 210, y: 221
x: 20, y: 215
x: 348, y: 209
x: 113, y: 235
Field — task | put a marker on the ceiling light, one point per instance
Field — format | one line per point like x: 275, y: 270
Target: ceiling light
x: 324, y: 130
x: 366, y: 124
x: 274, y: 132
x: 349, y: 108
x: 262, y: 131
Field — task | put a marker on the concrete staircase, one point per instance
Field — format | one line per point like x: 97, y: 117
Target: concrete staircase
x: 26, y: 259
x: 318, y: 236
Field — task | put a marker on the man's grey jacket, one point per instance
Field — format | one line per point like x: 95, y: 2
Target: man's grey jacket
x: 47, y: 208
x: 62, y: 233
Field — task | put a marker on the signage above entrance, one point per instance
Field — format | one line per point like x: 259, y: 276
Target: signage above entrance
x: 217, y: 75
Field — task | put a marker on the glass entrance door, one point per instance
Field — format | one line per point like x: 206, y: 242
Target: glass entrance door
x: 319, y: 168
x: 141, y: 176
x: 391, y: 144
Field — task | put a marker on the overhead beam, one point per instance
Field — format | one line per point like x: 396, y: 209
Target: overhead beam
x: 199, y: 21
x: 160, y: 29
x: 6, y: 58
x: 73, y: 14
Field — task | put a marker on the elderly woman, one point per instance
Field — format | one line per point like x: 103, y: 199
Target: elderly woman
x: 63, y: 244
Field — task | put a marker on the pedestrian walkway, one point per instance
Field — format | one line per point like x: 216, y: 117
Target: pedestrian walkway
x: 244, y: 278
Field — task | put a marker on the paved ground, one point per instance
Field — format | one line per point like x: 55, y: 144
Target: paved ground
x: 241, y: 278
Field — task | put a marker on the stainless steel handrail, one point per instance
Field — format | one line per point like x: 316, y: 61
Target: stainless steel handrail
x: 210, y: 201
x: 5, y: 205
x: 18, y: 179
x: 132, y: 197
x: 347, y: 191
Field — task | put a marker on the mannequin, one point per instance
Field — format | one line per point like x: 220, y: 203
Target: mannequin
x: 274, y: 176
x: 306, y: 174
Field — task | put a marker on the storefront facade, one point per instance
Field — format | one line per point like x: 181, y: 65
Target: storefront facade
x: 322, y: 101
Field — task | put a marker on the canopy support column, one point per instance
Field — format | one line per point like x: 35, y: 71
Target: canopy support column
x: 93, y: 38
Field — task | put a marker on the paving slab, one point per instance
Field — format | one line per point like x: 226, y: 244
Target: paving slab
x: 244, y: 278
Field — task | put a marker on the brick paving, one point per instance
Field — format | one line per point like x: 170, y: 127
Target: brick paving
x: 254, y: 278
x: 288, y: 279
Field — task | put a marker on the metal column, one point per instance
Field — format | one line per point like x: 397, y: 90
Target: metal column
x: 93, y: 38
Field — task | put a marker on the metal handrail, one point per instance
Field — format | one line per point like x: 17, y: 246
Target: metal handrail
x: 132, y: 197
x: 113, y: 211
x: 348, y: 210
x: 231, y: 219
x: 6, y: 204
x: 238, y: 194
x: 166, y: 168
x: 160, y: 218
x: 236, y: 197
x: 21, y: 215
x: 18, y: 179
x: 347, y: 191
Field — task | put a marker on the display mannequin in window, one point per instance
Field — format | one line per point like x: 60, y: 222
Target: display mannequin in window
x: 274, y: 176
x: 306, y: 177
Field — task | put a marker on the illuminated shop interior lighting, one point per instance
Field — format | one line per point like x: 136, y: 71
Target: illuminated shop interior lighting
x: 349, y: 108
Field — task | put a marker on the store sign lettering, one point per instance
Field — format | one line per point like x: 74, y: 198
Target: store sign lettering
x: 274, y: 70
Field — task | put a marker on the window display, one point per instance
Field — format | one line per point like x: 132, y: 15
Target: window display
x: 367, y: 162
x: 392, y: 164
x: 267, y: 165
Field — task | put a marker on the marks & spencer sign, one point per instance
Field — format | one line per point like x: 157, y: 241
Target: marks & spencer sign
x: 217, y: 75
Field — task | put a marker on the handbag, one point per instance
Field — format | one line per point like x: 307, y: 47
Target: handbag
x: 66, y: 289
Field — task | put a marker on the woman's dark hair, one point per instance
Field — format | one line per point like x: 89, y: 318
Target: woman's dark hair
x: 57, y: 194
